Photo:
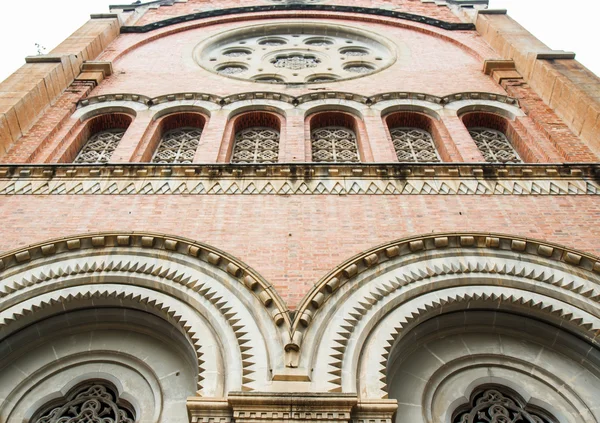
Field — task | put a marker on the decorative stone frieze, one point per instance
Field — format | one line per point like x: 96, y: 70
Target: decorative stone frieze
x: 300, y: 179
x: 305, y: 98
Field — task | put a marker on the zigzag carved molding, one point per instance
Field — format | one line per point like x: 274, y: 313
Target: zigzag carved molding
x: 413, y: 317
x: 349, y: 271
x: 59, y: 301
x: 471, y: 267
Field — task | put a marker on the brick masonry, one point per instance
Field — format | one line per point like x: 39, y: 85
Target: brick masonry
x: 295, y: 240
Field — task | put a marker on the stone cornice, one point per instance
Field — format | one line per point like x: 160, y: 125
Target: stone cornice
x: 295, y: 101
x: 451, y: 26
x: 302, y: 178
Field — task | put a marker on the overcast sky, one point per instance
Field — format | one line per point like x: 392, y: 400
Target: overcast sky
x: 570, y: 26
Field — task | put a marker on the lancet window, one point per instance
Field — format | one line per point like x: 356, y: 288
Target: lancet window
x: 494, y: 145
x: 93, y: 402
x: 414, y: 145
x: 256, y: 145
x: 334, y: 144
x: 178, y: 146
x: 498, y: 405
x: 100, y: 147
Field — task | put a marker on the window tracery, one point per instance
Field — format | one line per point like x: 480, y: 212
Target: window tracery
x: 100, y: 147
x: 334, y: 144
x: 496, y: 405
x: 296, y: 53
x: 256, y: 145
x: 494, y: 146
x: 90, y: 403
x: 178, y: 146
x: 414, y: 145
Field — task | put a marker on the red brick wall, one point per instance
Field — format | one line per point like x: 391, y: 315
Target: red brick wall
x: 294, y: 240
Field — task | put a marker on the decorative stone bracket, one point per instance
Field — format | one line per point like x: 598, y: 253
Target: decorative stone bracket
x: 259, y: 407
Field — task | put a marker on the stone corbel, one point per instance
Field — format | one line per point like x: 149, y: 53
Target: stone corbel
x: 95, y: 71
x: 500, y: 70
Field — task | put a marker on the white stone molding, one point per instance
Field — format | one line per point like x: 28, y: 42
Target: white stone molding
x: 301, y: 179
x: 188, y: 284
x: 115, y: 106
x: 349, y: 305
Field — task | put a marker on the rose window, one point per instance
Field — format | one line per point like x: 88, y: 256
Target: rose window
x: 295, y: 53
x: 494, y: 146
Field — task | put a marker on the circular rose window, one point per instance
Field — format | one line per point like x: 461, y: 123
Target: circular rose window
x: 295, y: 53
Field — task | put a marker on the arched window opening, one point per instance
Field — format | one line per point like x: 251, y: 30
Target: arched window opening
x: 180, y: 139
x: 499, y: 404
x: 333, y: 138
x: 92, y: 401
x: 489, y: 134
x: 104, y: 133
x: 256, y: 138
x: 412, y: 139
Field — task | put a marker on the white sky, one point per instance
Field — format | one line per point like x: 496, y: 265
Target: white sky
x: 563, y: 25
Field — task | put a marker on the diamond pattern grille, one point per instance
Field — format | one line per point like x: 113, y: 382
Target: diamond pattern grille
x: 414, y: 145
x: 494, y: 146
x: 256, y: 145
x: 100, y: 147
x: 178, y: 146
x: 334, y: 144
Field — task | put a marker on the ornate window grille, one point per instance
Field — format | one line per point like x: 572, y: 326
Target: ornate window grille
x: 334, y: 144
x: 494, y: 146
x: 414, y: 145
x: 256, y: 145
x: 178, y: 146
x: 496, y: 405
x: 100, y: 147
x: 90, y: 403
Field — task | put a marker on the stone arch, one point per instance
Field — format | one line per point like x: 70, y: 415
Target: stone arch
x: 202, y: 294
x: 347, y: 326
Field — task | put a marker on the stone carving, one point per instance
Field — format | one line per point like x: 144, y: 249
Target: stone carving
x: 91, y: 403
x: 178, y: 146
x: 334, y: 144
x: 100, y: 147
x: 494, y: 146
x: 414, y: 145
x: 296, y: 62
x: 256, y: 145
x: 296, y: 53
x: 495, y: 405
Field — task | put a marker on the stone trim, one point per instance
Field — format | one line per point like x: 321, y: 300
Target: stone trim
x: 349, y: 271
x: 450, y: 26
x: 301, y: 179
x: 246, y: 276
x: 259, y: 407
x: 295, y: 101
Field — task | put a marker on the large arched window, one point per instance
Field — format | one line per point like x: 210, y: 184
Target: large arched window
x: 489, y: 134
x: 411, y: 136
x: 333, y: 138
x: 499, y: 404
x: 256, y: 138
x: 103, y: 133
x: 89, y: 402
x: 180, y: 138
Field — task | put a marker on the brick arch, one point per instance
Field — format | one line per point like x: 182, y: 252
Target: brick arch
x: 84, y: 129
x: 163, y: 124
x: 332, y: 116
x: 248, y: 119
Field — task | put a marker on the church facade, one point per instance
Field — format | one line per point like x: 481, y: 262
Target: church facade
x: 256, y: 211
